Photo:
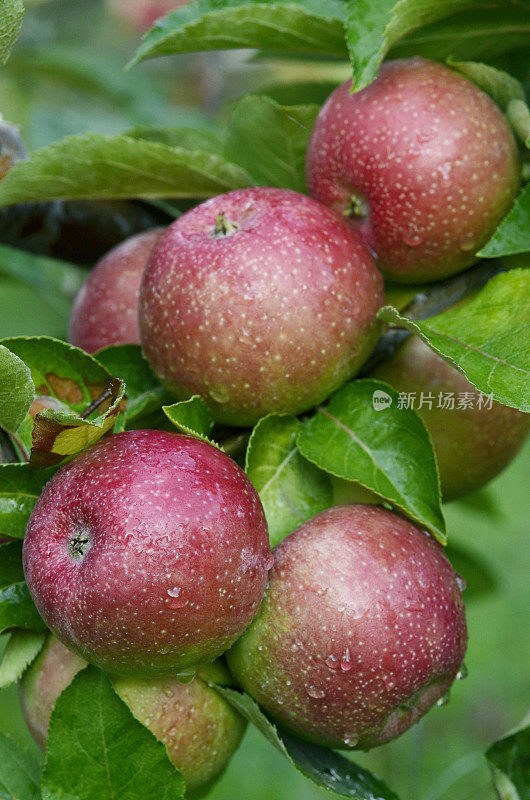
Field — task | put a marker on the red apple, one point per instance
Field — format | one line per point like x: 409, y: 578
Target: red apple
x: 259, y: 300
x: 142, y: 14
x: 105, y: 310
x: 200, y: 730
x: 474, y: 438
x: 148, y: 553
x: 361, y: 630
x: 422, y: 161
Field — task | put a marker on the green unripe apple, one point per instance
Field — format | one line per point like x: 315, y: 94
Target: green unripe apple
x: 200, y: 730
x: 473, y: 442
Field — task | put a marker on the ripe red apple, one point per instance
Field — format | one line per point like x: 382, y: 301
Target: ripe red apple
x: 422, y: 161
x: 148, y: 553
x: 200, y: 730
x: 361, y: 630
x: 473, y: 441
x: 259, y: 300
x: 105, y: 310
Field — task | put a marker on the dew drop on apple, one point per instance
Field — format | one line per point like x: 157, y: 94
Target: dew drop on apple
x: 351, y: 739
x: 462, y: 673
x: 333, y: 661
x: 467, y: 243
x: 219, y: 394
x: 443, y: 700
x: 412, y: 239
x: 315, y: 692
x: 461, y: 583
x: 346, y: 662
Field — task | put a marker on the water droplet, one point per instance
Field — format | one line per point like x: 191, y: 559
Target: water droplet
x: 462, y: 672
x: 461, y: 583
x: 174, y: 592
x: 423, y: 138
x: 412, y: 239
x: 333, y: 661
x: 351, y: 739
x: 444, y: 170
x: 186, y: 676
x: 220, y: 394
x: 346, y: 662
x: 467, y: 243
x: 315, y: 693
x: 442, y: 701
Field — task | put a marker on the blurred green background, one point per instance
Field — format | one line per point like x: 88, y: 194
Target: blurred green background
x: 58, y: 82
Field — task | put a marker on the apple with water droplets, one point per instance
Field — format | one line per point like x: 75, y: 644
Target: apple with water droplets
x: 148, y: 553
x: 421, y: 161
x: 474, y: 437
x: 259, y: 300
x: 105, y: 310
x: 361, y: 630
x: 200, y: 730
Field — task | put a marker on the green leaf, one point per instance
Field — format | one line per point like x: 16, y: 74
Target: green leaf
x: 384, y: 447
x: 490, y: 30
x: 19, y: 772
x: 299, y: 92
x: 304, y: 26
x: 16, y: 390
x: 22, y: 648
x: 513, y: 234
x: 20, y: 488
x: 486, y: 339
x: 479, y: 576
x: 270, y: 140
x: 97, y: 749
x: 144, y: 392
x: 57, y: 282
x: 192, y: 139
x: 500, y: 86
x: 17, y: 609
x: 77, y: 380
x: 191, y: 417
x: 321, y: 765
x: 11, y: 14
x: 518, y: 115
x: 509, y: 761
x: 292, y: 490
x: 94, y: 166
x: 374, y: 26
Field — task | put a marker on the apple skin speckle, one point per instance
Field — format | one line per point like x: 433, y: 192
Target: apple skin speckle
x: 125, y: 525
x: 362, y: 629
x: 427, y: 161
x: 259, y: 300
x: 105, y: 311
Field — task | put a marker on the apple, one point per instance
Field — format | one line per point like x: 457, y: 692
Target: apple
x: 362, y: 629
x: 140, y: 15
x: 473, y: 441
x: 422, y: 161
x: 259, y: 300
x: 148, y: 553
x: 200, y: 730
x: 105, y: 310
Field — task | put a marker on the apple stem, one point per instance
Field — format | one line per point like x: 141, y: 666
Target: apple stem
x: 97, y: 402
x: 224, y: 227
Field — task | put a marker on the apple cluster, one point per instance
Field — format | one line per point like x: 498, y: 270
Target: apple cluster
x: 148, y: 554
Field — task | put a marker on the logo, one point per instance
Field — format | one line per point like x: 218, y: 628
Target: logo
x: 381, y: 400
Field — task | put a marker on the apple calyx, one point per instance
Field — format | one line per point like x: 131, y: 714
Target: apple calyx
x: 223, y: 226
x: 79, y: 545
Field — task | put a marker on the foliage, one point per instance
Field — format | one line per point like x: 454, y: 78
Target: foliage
x: 96, y: 748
